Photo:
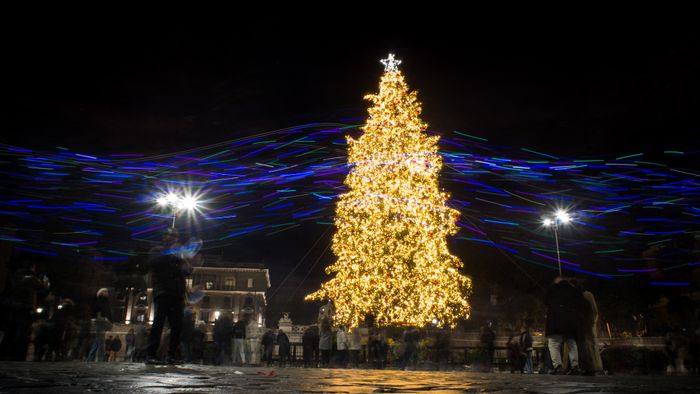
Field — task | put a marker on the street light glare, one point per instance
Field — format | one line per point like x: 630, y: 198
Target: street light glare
x: 178, y: 202
x: 172, y: 198
x: 560, y: 217
x: 188, y: 203
x: 563, y: 216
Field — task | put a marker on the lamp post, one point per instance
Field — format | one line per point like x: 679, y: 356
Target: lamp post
x: 560, y: 217
x: 177, y: 203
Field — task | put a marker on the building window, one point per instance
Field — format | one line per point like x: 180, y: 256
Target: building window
x: 229, y: 283
x: 227, y: 302
x: 209, y: 285
x: 250, y: 282
x: 188, y: 282
x: 205, y: 316
x: 205, y: 303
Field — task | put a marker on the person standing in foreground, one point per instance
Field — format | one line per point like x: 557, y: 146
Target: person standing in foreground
x: 168, y: 270
x: 564, y: 302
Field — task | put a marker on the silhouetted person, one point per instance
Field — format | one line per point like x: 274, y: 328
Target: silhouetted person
x: 223, y: 333
x: 168, y: 271
x: 355, y: 346
x: 526, y: 345
x: 239, y: 346
x: 268, y: 345
x: 309, y: 341
x: 378, y: 346
x: 23, y: 290
x: 487, y: 339
x: 587, y: 341
x: 342, y: 343
x: 564, y: 302
x: 114, y: 347
x: 410, y: 338
x: 102, y: 317
x: 129, y: 342
x: 325, y: 342
x: 442, y: 348
x: 283, y: 351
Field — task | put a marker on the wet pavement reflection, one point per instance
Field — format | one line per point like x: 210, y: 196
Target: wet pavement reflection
x: 76, y: 377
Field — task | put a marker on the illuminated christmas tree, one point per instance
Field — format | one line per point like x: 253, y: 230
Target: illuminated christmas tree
x: 392, y: 224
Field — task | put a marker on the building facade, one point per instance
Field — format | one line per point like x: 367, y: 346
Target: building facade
x: 219, y: 287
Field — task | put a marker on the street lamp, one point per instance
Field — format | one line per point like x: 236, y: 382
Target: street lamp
x: 177, y: 203
x: 560, y: 217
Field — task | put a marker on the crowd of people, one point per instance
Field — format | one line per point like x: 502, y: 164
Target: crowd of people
x: 59, y: 332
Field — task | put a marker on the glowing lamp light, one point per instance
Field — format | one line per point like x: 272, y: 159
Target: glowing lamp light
x: 189, y: 203
x: 39, y: 310
x: 172, y: 198
x: 563, y: 216
x: 560, y: 217
x: 216, y: 315
x: 177, y: 203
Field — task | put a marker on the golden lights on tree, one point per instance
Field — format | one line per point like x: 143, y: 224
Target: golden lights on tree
x: 392, y: 224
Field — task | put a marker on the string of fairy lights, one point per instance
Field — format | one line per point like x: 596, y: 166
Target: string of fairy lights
x: 393, y: 222
x: 634, y: 215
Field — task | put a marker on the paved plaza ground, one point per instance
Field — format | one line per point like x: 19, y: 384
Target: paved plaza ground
x: 80, y: 377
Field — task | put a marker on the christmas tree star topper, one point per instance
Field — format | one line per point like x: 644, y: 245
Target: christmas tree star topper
x: 390, y: 63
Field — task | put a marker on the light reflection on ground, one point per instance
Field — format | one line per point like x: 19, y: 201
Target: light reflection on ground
x: 75, y: 377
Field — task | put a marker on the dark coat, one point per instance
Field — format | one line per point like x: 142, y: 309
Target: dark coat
x: 102, y: 308
x: 282, y: 339
x: 564, y: 305
x: 167, y: 274
x: 311, y: 336
x: 268, y: 338
x: 223, y: 329
x: 239, y: 329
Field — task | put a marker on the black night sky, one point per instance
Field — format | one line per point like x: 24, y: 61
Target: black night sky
x: 573, y: 90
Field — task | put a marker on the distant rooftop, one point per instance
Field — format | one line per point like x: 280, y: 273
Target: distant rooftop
x: 219, y: 262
